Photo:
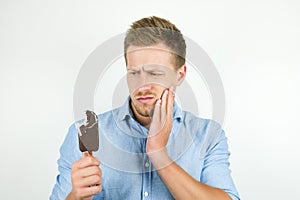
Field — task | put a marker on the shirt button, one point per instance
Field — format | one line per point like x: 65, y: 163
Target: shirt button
x: 147, y: 164
x: 146, y: 194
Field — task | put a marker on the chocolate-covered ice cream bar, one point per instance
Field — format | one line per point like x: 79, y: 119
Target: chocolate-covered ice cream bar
x: 88, y: 133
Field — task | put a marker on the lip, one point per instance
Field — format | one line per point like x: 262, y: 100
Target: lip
x: 144, y: 99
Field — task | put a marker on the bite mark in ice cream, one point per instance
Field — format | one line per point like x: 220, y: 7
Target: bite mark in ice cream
x: 88, y: 133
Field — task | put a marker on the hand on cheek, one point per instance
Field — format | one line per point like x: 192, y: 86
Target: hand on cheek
x: 161, y: 124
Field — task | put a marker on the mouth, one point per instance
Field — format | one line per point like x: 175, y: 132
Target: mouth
x: 144, y: 99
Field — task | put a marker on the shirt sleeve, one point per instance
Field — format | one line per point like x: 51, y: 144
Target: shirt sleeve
x: 215, y: 171
x: 69, y: 153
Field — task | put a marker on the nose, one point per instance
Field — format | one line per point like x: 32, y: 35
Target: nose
x: 143, y: 82
x: 144, y: 87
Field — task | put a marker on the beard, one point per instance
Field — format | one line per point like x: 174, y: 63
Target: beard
x: 145, y: 110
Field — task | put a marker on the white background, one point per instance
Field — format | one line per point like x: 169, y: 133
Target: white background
x: 254, y: 45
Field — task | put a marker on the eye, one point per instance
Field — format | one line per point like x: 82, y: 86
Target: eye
x: 133, y: 72
x: 155, y: 73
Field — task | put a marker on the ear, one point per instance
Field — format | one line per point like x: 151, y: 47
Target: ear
x: 181, y: 73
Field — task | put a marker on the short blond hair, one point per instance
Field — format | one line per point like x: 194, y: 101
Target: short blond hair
x: 153, y: 30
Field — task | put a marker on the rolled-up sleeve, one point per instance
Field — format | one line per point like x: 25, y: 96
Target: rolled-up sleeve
x: 69, y: 153
x: 215, y: 171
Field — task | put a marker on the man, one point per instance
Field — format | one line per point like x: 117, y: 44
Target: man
x: 149, y: 147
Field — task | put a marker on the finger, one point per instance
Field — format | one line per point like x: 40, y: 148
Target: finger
x: 156, y: 114
x: 170, y: 103
x: 88, y: 161
x: 89, y: 154
x: 90, y: 191
x: 164, y: 106
x: 157, y: 110
x: 85, y: 161
x: 90, y: 171
x: 90, y: 180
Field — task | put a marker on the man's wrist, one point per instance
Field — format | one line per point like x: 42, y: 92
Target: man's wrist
x: 160, y: 158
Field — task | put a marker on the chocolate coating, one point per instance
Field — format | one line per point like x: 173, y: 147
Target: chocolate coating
x: 89, y: 134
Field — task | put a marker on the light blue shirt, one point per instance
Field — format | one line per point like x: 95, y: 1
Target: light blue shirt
x: 197, y: 145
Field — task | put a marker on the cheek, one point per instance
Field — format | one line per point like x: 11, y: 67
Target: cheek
x: 132, y: 84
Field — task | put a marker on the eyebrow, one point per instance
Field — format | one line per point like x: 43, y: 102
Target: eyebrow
x: 133, y: 69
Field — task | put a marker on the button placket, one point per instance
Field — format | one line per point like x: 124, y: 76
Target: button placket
x: 147, y: 178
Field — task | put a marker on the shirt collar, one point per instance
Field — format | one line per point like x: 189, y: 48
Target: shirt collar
x: 125, y: 112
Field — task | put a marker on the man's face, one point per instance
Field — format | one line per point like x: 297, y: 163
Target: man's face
x: 150, y: 70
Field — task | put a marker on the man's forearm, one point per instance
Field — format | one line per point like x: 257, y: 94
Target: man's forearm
x: 181, y: 185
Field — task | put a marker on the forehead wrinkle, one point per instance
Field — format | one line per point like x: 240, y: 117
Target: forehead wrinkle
x: 145, y: 55
x: 150, y: 68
